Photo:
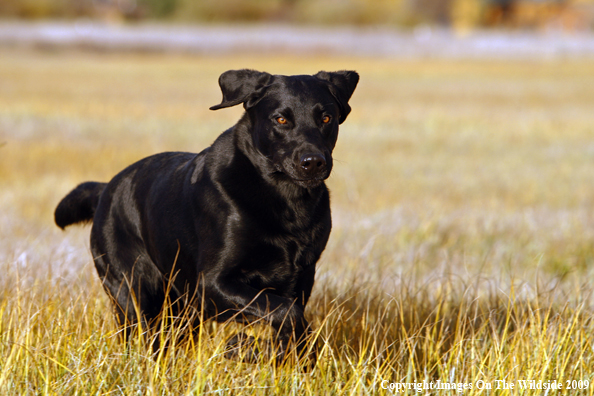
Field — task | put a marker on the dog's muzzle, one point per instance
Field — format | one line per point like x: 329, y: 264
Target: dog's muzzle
x: 313, y: 165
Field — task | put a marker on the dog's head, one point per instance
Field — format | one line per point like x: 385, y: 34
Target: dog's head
x: 294, y: 119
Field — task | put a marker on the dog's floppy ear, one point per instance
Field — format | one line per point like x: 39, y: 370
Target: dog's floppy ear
x: 342, y: 85
x: 241, y: 86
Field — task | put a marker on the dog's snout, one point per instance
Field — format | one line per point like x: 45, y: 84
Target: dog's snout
x: 312, y: 164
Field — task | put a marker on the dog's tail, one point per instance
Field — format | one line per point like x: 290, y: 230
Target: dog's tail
x: 79, y: 205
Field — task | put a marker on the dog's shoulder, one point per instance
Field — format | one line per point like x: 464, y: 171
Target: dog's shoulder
x: 197, y: 165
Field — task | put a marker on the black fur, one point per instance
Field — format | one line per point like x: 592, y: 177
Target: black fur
x: 242, y: 223
x: 79, y: 206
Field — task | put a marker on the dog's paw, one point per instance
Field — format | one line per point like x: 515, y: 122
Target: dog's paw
x: 245, y: 348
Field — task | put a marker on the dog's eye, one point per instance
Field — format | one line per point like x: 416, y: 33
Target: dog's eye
x: 281, y: 120
x: 326, y: 119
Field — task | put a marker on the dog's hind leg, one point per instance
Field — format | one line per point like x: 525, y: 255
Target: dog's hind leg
x: 137, y: 292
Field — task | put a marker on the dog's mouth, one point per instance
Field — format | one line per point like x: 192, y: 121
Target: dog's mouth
x: 301, y: 182
x: 308, y: 183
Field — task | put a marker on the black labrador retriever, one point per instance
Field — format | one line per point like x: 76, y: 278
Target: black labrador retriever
x: 234, y: 231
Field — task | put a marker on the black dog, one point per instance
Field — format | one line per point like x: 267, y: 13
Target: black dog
x: 237, y: 228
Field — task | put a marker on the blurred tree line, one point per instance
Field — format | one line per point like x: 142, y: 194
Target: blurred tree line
x: 566, y: 14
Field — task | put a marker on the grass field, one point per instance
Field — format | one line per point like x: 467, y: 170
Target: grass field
x: 463, y: 241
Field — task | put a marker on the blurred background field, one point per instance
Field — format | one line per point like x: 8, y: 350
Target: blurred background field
x: 570, y: 15
x: 462, y: 195
x: 479, y: 155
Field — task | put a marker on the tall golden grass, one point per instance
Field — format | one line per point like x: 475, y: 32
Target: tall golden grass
x: 463, y: 240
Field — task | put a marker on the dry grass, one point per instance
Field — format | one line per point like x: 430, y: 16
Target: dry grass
x: 462, y: 250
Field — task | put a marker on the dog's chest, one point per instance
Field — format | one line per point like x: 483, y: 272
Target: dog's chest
x: 277, y: 262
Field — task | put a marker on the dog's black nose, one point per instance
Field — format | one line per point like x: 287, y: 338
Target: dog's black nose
x: 313, y: 164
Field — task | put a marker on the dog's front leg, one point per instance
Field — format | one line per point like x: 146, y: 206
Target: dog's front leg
x: 284, y: 315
